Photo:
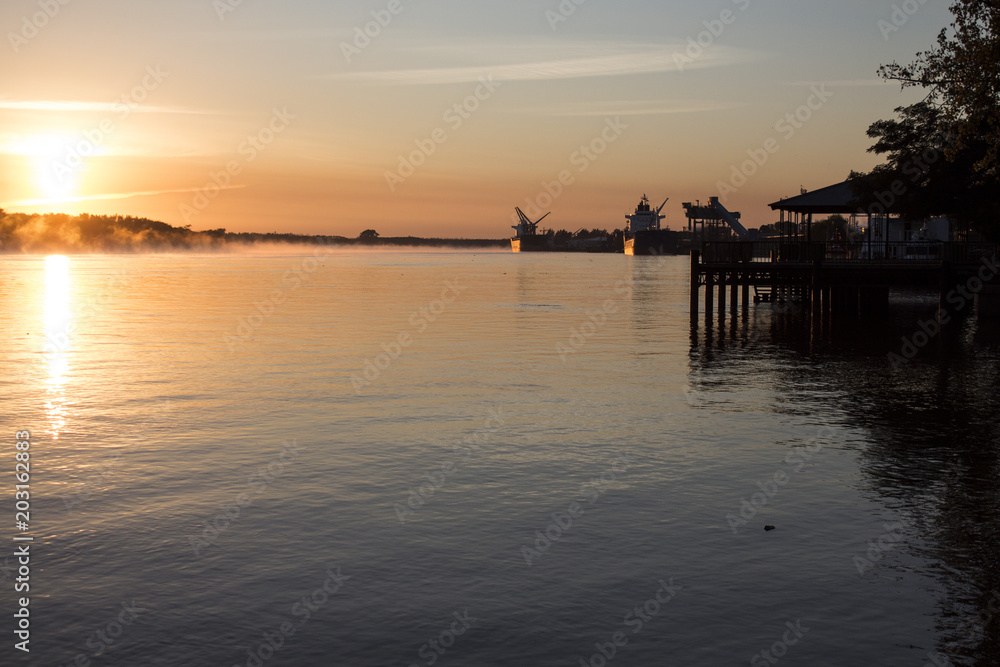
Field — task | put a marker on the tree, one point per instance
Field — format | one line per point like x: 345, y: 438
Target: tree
x: 962, y: 78
x: 786, y: 228
x: 832, y: 229
x: 920, y: 179
x: 942, y: 151
x: 368, y: 236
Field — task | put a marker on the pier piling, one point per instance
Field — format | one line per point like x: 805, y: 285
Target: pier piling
x: 833, y: 285
x: 695, y: 282
x: 709, y: 296
x: 722, y: 295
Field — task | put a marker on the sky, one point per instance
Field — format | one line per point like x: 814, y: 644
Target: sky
x: 438, y: 117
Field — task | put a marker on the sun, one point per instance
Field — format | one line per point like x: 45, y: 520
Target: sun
x: 55, y: 163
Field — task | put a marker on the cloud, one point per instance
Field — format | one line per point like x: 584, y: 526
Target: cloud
x: 629, y: 108
x: 276, y: 35
x: 117, y: 195
x: 618, y: 60
x: 842, y: 83
x: 90, y: 107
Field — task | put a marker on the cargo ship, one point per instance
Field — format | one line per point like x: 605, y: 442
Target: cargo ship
x: 643, y: 235
x: 527, y: 238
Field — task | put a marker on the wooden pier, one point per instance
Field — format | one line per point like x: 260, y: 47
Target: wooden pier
x: 844, y: 282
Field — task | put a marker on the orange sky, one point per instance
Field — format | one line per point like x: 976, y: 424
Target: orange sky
x: 263, y: 118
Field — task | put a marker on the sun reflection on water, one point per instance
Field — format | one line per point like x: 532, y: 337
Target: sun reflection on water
x: 58, y: 326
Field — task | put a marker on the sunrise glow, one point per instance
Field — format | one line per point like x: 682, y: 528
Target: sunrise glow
x: 451, y: 116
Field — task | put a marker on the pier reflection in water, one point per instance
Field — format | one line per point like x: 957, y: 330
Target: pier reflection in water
x: 931, y: 451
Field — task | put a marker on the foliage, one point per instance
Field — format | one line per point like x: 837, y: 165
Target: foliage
x: 942, y: 151
x: 833, y: 229
x: 961, y: 77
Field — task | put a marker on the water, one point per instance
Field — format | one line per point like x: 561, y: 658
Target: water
x: 216, y: 438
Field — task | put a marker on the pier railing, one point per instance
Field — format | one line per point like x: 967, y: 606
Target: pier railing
x: 732, y: 252
x: 969, y: 252
x: 769, y: 251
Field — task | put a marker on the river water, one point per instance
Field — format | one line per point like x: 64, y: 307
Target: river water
x: 456, y: 458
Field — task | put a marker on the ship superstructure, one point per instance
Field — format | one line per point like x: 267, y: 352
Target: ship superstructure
x: 643, y: 235
x: 526, y: 237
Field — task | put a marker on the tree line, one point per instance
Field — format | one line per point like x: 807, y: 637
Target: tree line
x: 61, y: 232
x: 942, y: 152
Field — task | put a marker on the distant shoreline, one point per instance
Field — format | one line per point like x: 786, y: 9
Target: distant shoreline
x: 63, y: 233
x: 226, y: 244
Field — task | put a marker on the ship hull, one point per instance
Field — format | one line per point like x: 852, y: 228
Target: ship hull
x: 530, y: 244
x: 654, y: 242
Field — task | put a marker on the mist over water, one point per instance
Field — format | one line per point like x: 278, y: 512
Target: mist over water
x: 477, y: 458
x: 62, y: 233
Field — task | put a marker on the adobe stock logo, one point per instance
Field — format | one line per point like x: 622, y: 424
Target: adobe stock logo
x: 704, y: 40
x: 456, y: 116
x: 787, y: 126
x: 901, y: 15
x: 363, y: 36
x: 249, y: 149
x: 30, y: 27
x: 566, y: 9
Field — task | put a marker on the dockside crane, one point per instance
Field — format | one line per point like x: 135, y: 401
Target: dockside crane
x: 526, y: 227
x: 732, y: 220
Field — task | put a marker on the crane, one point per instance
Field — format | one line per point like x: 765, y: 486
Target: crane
x: 526, y: 227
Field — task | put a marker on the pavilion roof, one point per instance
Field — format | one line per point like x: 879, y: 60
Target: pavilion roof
x: 838, y: 198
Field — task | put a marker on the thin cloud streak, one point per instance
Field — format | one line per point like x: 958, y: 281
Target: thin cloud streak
x: 629, y: 108
x: 842, y: 83
x: 277, y: 35
x: 646, y: 61
x: 118, y: 195
x: 92, y: 107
